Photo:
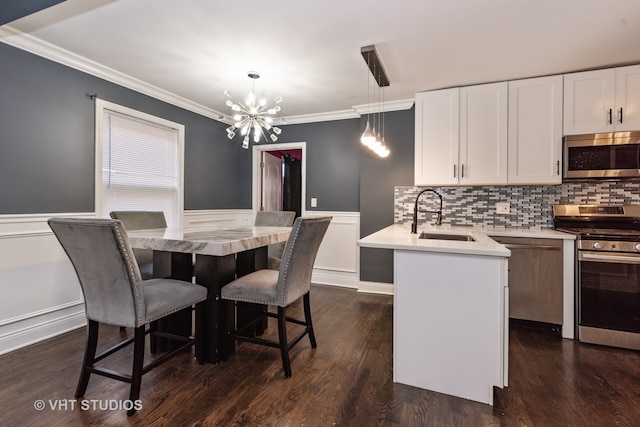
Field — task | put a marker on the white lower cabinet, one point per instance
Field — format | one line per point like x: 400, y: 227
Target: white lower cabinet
x: 451, y: 323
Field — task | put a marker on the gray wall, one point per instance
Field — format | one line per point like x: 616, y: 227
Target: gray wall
x: 47, y: 141
x: 378, y: 177
x: 47, y: 152
x: 346, y: 176
x: 333, y: 156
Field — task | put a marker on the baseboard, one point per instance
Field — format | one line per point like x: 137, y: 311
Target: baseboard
x: 41, y: 327
x: 376, y: 288
x: 350, y: 280
x: 335, y: 278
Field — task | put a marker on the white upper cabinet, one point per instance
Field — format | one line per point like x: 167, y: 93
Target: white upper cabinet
x: 483, y: 134
x: 535, y: 131
x: 627, y: 114
x: 436, y: 144
x: 461, y: 136
x: 602, y: 101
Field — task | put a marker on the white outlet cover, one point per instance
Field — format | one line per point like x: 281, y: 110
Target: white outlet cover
x: 502, y: 207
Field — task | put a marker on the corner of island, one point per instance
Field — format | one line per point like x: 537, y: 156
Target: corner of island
x: 451, y: 312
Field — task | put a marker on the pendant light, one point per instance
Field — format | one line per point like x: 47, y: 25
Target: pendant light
x: 370, y: 137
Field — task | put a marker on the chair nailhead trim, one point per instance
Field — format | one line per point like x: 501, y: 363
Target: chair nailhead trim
x: 132, y: 276
x: 286, y: 267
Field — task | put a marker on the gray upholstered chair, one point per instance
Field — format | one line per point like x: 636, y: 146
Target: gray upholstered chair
x: 283, y: 287
x: 115, y: 294
x: 138, y: 220
x: 275, y: 219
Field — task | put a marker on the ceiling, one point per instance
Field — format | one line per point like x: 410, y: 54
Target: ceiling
x: 308, y: 52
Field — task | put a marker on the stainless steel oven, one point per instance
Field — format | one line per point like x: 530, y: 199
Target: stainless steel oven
x: 608, y: 271
x: 602, y: 155
x: 609, y: 292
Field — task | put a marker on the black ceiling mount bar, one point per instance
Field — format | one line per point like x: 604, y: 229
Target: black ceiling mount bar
x: 373, y: 62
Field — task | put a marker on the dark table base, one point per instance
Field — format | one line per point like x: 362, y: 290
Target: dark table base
x: 219, y: 316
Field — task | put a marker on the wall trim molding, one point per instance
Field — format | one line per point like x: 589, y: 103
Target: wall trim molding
x: 44, y: 312
x: 39, y: 47
x: 45, y: 324
x: 376, y: 288
x: 32, y: 225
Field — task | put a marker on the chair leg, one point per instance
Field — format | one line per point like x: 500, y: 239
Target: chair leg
x: 89, y: 357
x: 282, y: 336
x: 198, y: 335
x: 153, y: 340
x: 307, y: 319
x: 138, y: 365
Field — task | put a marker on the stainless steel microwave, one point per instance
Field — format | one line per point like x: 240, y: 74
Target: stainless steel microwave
x: 602, y: 156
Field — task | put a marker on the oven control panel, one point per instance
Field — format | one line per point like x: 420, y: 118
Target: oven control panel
x: 608, y: 246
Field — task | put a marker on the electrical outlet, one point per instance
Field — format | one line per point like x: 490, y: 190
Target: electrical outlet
x: 502, y: 207
x: 314, y: 202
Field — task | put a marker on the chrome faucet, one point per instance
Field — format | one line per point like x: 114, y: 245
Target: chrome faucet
x: 414, y: 224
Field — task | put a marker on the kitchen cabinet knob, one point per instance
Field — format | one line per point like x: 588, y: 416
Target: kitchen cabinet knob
x: 454, y: 171
x: 462, y: 171
x: 558, y: 167
x: 620, y: 115
x: 610, y: 114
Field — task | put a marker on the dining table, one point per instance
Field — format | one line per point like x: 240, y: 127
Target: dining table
x: 211, y: 257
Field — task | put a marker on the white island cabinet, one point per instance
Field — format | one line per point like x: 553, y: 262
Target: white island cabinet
x: 450, y: 313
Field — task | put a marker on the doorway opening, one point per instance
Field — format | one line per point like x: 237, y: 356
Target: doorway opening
x: 279, y: 177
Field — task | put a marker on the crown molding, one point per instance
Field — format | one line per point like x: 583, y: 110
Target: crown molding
x: 402, y: 104
x: 320, y: 117
x: 358, y: 111
x: 26, y: 42
x: 36, y: 46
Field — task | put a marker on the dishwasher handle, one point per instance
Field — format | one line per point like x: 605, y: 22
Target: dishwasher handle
x: 533, y: 247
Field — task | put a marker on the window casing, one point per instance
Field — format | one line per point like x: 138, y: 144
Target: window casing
x: 139, y: 163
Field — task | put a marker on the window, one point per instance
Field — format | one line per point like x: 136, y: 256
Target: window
x: 139, y: 162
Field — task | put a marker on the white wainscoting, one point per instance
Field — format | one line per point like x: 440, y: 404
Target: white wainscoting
x: 338, y: 259
x: 41, y: 296
x: 222, y: 218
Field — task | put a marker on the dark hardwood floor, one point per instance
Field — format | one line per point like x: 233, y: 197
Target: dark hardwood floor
x: 346, y: 381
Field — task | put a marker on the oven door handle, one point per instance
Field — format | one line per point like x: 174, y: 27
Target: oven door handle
x: 606, y: 257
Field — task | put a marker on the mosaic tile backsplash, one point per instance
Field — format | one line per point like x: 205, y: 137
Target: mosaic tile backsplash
x: 530, y: 206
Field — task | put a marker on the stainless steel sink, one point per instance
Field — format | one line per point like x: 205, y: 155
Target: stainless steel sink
x: 454, y: 237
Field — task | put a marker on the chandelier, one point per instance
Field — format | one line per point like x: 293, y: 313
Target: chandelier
x: 253, y: 116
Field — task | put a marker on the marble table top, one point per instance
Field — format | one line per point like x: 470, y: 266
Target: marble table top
x: 218, y: 241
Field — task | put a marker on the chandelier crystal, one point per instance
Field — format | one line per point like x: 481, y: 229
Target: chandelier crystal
x: 254, y: 115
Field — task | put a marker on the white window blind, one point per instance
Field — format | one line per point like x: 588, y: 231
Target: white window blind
x: 140, y: 166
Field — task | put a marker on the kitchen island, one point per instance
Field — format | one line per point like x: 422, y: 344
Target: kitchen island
x: 450, y: 309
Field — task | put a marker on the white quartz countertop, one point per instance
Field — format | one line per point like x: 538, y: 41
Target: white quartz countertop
x: 218, y: 241
x: 398, y: 236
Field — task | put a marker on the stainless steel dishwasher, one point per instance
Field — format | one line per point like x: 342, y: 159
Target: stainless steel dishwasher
x: 535, y: 279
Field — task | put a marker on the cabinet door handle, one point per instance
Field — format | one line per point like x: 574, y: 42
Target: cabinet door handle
x: 610, y: 114
x: 454, y: 170
x: 462, y: 171
x: 620, y: 115
x: 557, y: 167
